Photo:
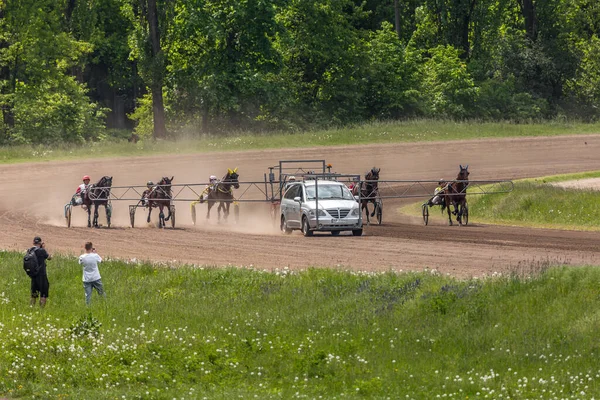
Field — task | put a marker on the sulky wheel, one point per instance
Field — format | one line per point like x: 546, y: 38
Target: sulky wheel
x: 68, y: 210
x: 193, y: 209
x: 236, y: 212
x: 172, y: 216
x: 379, y: 212
x: 425, y: 213
x: 132, y: 215
x: 465, y: 215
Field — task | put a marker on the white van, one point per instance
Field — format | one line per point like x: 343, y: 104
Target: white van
x: 320, y: 205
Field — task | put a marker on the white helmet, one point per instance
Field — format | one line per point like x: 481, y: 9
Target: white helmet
x: 213, y: 179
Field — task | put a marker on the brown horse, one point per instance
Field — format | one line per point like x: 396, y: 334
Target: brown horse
x: 161, y: 197
x: 223, y: 193
x: 98, y: 195
x: 455, y: 194
x: 369, y: 191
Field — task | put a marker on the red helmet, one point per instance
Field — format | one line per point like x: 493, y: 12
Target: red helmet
x: 86, y: 177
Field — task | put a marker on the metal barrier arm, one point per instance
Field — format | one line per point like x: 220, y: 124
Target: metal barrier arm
x: 403, y: 188
x: 389, y: 189
x: 178, y: 189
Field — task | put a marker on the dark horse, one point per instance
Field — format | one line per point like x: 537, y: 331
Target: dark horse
x: 455, y: 194
x: 223, y: 193
x: 161, y: 197
x: 98, y: 195
x: 369, y: 191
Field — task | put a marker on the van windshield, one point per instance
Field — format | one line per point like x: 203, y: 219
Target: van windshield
x: 328, y: 192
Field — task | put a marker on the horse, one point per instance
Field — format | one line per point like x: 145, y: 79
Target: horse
x: 455, y: 194
x: 98, y: 195
x: 223, y: 193
x: 369, y: 191
x: 161, y: 197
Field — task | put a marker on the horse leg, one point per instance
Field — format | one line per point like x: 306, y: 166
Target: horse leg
x: 374, y: 209
x: 459, y: 213
x: 365, y: 207
x: 226, y: 209
x: 149, y: 212
x: 449, y: 213
x: 96, y: 215
x: 168, y: 216
x: 161, y: 216
x: 89, y: 211
x: 210, y: 205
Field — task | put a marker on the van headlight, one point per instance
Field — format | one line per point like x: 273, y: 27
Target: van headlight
x: 355, y: 212
x: 321, y: 213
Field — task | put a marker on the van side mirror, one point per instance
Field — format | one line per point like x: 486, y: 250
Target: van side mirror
x: 298, y: 199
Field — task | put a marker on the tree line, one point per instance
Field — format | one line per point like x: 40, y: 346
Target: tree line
x: 78, y: 70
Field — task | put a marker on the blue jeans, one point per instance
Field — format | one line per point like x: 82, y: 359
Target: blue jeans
x: 87, y: 286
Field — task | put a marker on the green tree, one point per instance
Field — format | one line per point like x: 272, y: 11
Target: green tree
x: 223, y: 60
x: 324, y: 60
x: 448, y: 90
x: 43, y: 102
x: 392, y: 81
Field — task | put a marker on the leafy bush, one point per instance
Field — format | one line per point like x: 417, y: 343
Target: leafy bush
x: 56, y: 110
x: 448, y: 89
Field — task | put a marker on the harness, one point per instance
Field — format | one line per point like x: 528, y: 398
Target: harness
x: 221, y: 188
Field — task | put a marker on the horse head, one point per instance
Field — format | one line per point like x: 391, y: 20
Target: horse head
x: 463, y: 175
x: 166, y: 181
x: 232, y: 178
x: 165, y: 185
x: 107, y: 181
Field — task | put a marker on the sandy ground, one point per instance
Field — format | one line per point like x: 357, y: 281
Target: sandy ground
x: 588, y: 183
x: 32, y: 197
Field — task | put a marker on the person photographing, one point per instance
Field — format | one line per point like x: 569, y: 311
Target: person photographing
x: 35, y: 266
x: 91, y: 274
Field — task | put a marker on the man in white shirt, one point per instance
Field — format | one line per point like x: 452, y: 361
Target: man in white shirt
x: 91, y: 274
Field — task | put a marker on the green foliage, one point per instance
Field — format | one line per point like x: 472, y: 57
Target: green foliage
x: 46, y: 104
x: 586, y: 85
x: 70, y: 68
x: 392, y: 76
x: 142, y: 115
x: 54, y: 112
x: 224, y: 333
x: 448, y: 88
x: 86, y: 326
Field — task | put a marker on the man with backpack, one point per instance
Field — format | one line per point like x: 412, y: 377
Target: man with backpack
x: 34, y: 264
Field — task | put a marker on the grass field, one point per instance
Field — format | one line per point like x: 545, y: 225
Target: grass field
x: 192, y: 333
x: 533, y: 203
x: 410, y: 131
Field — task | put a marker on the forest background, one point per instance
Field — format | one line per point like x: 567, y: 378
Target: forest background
x: 87, y: 70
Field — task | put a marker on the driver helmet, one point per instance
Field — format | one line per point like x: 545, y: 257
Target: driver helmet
x: 86, y: 178
x: 213, y: 179
x: 441, y: 181
x: 149, y: 184
x: 292, y: 178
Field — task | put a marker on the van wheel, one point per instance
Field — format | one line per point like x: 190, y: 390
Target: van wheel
x: 306, y: 228
x: 357, y: 232
x: 335, y: 233
x: 283, y: 226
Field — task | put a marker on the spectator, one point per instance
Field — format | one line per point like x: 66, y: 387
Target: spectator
x: 39, y: 283
x: 91, y: 273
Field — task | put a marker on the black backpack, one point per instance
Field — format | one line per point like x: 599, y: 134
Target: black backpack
x: 30, y: 262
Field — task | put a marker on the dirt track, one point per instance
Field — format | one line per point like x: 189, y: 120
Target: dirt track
x: 32, y: 197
